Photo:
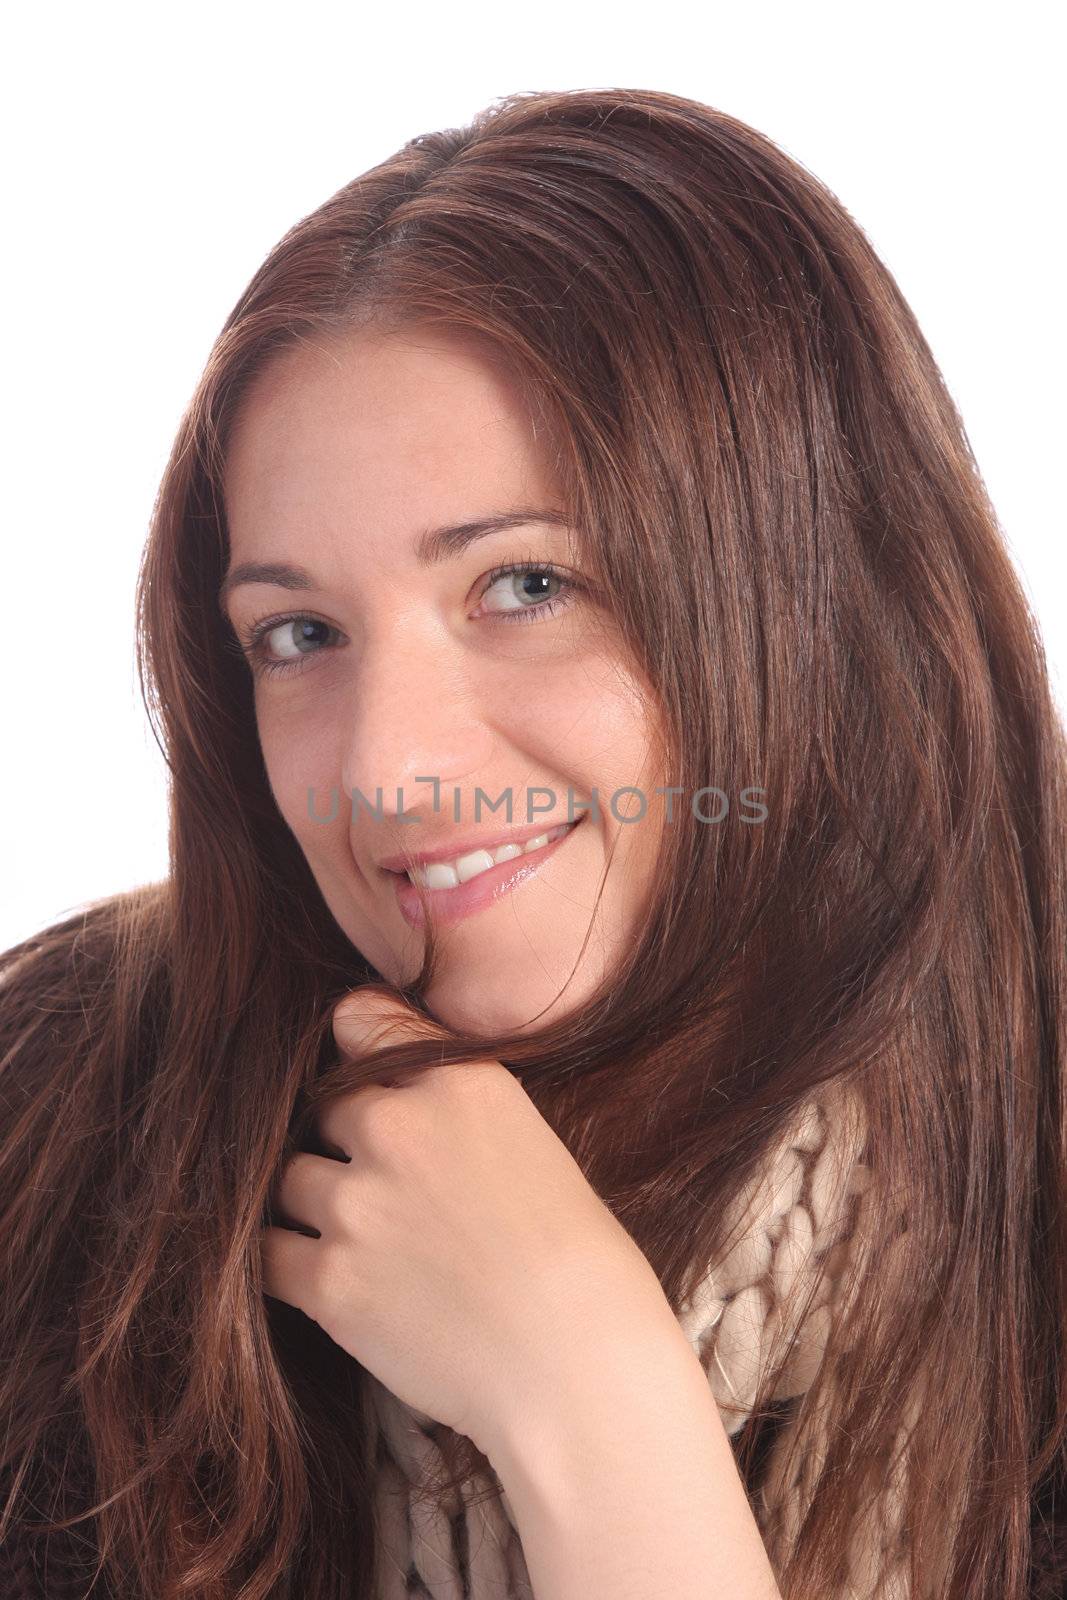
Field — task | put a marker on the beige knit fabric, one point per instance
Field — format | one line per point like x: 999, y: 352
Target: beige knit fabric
x: 791, y: 1228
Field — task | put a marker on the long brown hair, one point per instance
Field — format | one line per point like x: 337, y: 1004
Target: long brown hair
x: 777, y: 494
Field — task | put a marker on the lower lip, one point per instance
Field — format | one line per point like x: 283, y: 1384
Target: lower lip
x: 452, y: 905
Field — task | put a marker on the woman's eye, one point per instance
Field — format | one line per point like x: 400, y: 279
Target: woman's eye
x: 525, y: 593
x: 281, y: 644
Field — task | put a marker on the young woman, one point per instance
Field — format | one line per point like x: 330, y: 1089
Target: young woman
x: 585, y: 1112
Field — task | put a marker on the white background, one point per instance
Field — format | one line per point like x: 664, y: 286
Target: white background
x: 155, y: 154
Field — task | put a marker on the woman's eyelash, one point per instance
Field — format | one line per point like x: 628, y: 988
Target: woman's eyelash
x: 253, y: 639
x: 254, y: 646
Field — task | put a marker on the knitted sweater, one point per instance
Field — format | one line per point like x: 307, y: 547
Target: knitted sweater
x: 794, y: 1227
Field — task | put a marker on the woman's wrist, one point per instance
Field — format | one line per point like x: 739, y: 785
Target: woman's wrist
x: 624, y: 1483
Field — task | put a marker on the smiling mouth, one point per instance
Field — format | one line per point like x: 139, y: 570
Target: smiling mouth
x: 488, y: 879
x: 448, y: 875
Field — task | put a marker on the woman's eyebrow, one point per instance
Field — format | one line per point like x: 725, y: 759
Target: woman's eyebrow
x: 431, y: 547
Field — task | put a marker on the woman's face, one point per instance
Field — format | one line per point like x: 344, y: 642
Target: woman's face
x: 402, y: 665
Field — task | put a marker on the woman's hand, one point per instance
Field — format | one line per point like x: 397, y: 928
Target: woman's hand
x: 463, y: 1256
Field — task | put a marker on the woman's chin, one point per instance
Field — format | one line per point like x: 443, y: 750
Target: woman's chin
x: 482, y: 1009
x: 502, y: 981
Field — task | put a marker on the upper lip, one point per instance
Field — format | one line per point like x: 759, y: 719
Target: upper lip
x: 463, y: 845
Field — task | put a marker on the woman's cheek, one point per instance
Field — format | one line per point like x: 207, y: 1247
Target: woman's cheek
x: 303, y: 769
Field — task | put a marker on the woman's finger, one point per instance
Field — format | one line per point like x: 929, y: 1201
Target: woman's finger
x: 339, y: 1121
x: 306, y: 1191
x: 288, y: 1265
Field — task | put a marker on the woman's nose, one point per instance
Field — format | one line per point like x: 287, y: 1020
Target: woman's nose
x: 415, y: 714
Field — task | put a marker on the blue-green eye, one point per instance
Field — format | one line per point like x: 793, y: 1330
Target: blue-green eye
x: 527, y: 592
x: 297, y: 637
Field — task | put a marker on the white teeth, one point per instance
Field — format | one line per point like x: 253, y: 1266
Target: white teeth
x: 450, y: 874
x: 470, y: 866
x: 441, y: 875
